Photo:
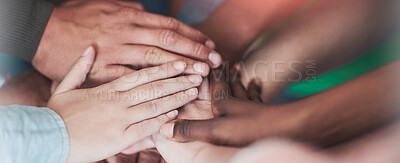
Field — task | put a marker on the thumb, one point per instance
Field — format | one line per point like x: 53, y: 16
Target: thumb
x: 188, y: 130
x: 77, y: 74
x: 53, y: 87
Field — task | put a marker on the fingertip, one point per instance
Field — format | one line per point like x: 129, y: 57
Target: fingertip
x: 172, y: 114
x: 167, y: 130
x: 88, y: 56
x: 192, y: 92
x: 210, y: 44
x: 215, y: 59
x: 179, y: 65
x: 195, y: 79
x: 201, y: 68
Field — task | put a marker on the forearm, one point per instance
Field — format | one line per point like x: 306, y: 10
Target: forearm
x: 331, y: 34
x: 236, y: 23
x: 380, y: 146
x: 31, y: 134
x: 352, y: 108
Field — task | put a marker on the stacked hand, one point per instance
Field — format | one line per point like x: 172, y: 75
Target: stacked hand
x: 240, y: 118
x: 124, y: 111
x: 126, y: 38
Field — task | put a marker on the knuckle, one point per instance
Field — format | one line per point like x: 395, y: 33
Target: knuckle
x: 198, y: 49
x: 182, y: 81
x: 152, y: 55
x: 153, y: 106
x: 139, y: 6
x: 156, y: 86
x: 167, y: 37
x: 127, y: 11
x: 183, y: 128
x: 172, y: 23
x: 198, y: 35
x: 142, y: 74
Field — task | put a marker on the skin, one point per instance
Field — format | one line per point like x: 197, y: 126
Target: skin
x: 126, y: 39
x: 329, y: 33
x: 123, y: 116
x: 357, y: 110
x: 378, y: 146
x: 28, y: 88
x: 232, y: 42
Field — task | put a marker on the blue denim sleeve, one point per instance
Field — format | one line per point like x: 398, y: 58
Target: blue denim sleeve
x: 32, y: 134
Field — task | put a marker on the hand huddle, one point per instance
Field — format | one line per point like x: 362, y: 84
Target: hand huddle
x: 125, y: 80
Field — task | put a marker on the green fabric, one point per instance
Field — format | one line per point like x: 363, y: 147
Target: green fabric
x: 379, y: 56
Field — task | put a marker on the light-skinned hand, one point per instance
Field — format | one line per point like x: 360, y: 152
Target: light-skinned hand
x: 126, y: 38
x: 104, y: 120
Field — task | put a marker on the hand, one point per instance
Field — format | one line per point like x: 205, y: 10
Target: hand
x: 196, y: 109
x: 199, y: 109
x: 104, y: 120
x: 239, y: 121
x: 28, y: 88
x: 126, y: 38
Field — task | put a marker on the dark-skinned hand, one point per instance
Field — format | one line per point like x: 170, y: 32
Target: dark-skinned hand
x: 240, y: 118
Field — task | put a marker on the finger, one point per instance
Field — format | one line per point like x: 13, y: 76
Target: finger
x: 160, y: 89
x: 135, y: 5
x: 254, y: 90
x: 219, y: 85
x: 147, y: 75
x: 189, y: 130
x: 146, y: 56
x: 101, y: 75
x: 146, y: 128
x: 53, y: 86
x: 174, y: 42
x: 146, y: 19
x: 77, y: 75
x: 220, y: 90
x: 163, y: 105
x: 204, y: 90
x: 144, y: 144
x: 236, y: 86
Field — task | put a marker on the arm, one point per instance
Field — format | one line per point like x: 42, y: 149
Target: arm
x: 23, y: 130
x: 331, y: 34
x: 22, y: 26
x: 352, y: 108
x: 326, y: 118
x: 236, y: 23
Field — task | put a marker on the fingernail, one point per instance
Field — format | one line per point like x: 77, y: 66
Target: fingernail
x: 215, y: 59
x: 172, y: 114
x: 210, y: 44
x: 199, y: 67
x: 179, y: 65
x: 87, y: 51
x: 191, y: 92
x: 195, y: 79
x: 167, y: 130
